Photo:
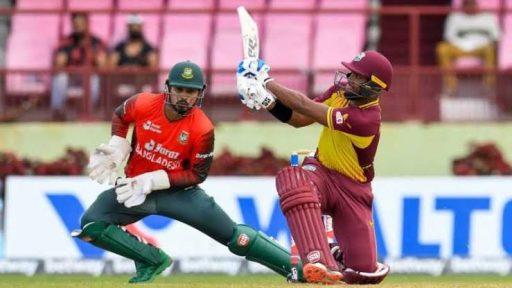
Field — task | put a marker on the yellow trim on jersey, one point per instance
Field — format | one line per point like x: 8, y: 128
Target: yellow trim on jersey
x: 360, y: 141
x: 369, y: 104
x: 329, y: 117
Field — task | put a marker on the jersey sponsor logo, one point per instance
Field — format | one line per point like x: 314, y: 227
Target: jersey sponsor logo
x: 313, y: 256
x: 156, y: 153
x: 158, y: 147
x: 183, y: 138
x: 339, y: 118
x: 204, y: 156
x: 169, y: 164
x: 187, y: 73
x: 148, y: 125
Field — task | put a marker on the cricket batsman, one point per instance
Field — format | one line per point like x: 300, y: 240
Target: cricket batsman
x: 337, y: 180
x: 170, y: 153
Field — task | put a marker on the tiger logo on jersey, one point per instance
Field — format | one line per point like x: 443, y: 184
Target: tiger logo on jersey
x: 183, y: 138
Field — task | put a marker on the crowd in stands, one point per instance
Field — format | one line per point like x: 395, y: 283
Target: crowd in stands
x: 468, y: 33
x: 303, y: 40
x: 82, y: 48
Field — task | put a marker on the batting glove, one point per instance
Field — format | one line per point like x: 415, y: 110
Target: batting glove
x: 254, y: 68
x: 107, y: 158
x: 253, y: 95
x: 133, y: 191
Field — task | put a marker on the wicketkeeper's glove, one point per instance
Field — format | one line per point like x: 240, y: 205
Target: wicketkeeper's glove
x: 106, y: 159
x: 133, y: 191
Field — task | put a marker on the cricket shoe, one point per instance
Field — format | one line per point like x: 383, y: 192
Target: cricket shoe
x: 146, y: 273
x: 318, y: 273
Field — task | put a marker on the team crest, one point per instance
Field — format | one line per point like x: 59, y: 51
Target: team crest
x: 183, y: 138
x: 359, y: 56
x: 187, y: 73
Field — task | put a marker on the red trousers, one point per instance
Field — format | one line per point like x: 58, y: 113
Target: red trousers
x: 349, y: 203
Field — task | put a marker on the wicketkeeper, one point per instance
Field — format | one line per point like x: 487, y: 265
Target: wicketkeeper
x: 337, y: 180
x: 169, y: 155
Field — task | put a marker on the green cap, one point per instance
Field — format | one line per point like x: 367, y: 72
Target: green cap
x: 186, y: 74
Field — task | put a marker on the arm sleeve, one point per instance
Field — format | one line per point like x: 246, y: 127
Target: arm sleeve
x: 326, y: 95
x: 123, y: 115
x: 350, y: 120
x: 200, y: 162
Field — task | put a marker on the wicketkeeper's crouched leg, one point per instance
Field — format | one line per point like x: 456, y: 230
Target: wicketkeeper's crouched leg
x: 258, y: 247
x: 117, y: 240
x: 97, y: 229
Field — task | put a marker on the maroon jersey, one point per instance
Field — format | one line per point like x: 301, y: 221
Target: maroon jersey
x: 349, y: 142
x: 183, y: 148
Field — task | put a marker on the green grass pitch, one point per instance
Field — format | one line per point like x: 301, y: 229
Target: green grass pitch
x: 224, y: 281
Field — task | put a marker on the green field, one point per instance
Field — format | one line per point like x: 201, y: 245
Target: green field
x: 223, y: 281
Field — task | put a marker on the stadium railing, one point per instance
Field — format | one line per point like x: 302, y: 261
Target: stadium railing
x: 415, y: 93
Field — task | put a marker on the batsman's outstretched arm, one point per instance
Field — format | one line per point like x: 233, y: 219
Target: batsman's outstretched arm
x: 299, y: 120
x: 304, y: 109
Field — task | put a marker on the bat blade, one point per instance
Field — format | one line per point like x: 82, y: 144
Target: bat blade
x: 250, y: 40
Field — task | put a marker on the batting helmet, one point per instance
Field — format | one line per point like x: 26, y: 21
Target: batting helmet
x: 374, y: 66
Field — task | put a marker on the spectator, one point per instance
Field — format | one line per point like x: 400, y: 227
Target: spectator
x: 468, y: 32
x: 75, y: 51
x: 132, y: 52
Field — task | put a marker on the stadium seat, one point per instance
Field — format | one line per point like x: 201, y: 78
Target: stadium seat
x: 138, y: 4
x: 28, y: 48
x: 468, y: 62
x: 39, y: 4
x: 249, y: 4
x: 99, y: 25
x: 484, y: 4
x: 343, y: 4
x: 90, y: 4
x: 504, y: 55
x: 151, y: 28
x: 181, y: 43
x: 331, y: 45
x: 191, y: 4
x: 226, y: 53
x: 292, y: 4
x: 287, y: 47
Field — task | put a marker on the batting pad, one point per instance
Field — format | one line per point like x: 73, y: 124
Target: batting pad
x: 301, y: 206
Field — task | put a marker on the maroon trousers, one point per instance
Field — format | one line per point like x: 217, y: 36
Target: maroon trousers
x: 349, y: 203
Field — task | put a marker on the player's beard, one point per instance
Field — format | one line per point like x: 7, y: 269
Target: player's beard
x: 180, y: 106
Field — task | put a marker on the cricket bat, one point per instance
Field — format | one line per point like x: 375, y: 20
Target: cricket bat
x: 250, y: 40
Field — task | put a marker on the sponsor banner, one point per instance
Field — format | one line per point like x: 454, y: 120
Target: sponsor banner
x: 230, y: 266
x: 42, y: 212
x: 1, y: 223
x: 434, y: 218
